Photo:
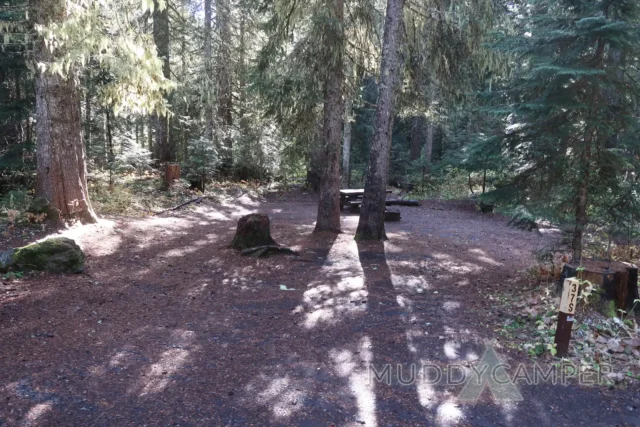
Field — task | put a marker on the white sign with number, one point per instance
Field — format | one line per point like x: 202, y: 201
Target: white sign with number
x: 570, y: 290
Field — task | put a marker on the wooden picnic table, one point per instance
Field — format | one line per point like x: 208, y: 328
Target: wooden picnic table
x: 352, y: 197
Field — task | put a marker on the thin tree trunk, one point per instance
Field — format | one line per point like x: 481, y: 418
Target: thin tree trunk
x: 371, y: 224
x: 208, y: 66
x: 417, y: 140
x: 428, y: 148
x: 150, y: 125
x: 61, y: 177
x: 581, y: 203
x: 111, y: 158
x: 161, y: 39
x: 19, y: 128
x: 346, y: 145
x: 225, y: 95
x: 87, y: 114
x: 329, y: 204
x: 316, y: 157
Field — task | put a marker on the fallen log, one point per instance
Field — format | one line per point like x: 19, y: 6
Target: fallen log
x: 260, y: 251
x: 403, y: 203
x: 392, y: 215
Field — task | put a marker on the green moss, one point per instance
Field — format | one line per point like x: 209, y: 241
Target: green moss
x: 58, y: 255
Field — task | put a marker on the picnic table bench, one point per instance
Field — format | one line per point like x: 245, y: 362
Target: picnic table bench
x: 352, y: 197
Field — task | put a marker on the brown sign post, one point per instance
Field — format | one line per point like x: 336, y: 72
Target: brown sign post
x: 570, y: 291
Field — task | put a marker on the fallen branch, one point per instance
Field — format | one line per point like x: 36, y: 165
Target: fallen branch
x: 196, y: 200
x: 259, y: 251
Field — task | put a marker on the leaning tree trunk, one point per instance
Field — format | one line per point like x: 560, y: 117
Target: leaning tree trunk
x: 371, y: 224
x: 329, y: 204
x: 161, y: 39
x: 61, y: 177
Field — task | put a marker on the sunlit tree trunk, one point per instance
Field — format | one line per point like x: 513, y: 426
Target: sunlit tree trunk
x: 371, y: 224
x: 225, y: 95
x: 329, y: 204
x: 161, y: 39
x: 61, y: 177
x: 208, y: 66
x: 346, y: 145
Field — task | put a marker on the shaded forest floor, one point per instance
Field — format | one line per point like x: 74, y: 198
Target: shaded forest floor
x: 169, y: 327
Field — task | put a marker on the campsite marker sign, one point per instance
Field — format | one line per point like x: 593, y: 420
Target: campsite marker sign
x: 570, y: 291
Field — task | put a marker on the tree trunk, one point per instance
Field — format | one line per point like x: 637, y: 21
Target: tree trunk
x: 87, y: 114
x: 417, y: 137
x: 61, y: 177
x: 208, y: 66
x: 428, y: 148
x: 371, y: 224
x: 581, y: 202
x: 110, y: 153
x: 346, y: 145
x: 329, y: 204
x: 225, y: 95
x: 316, y: 159
x: 161, y: 39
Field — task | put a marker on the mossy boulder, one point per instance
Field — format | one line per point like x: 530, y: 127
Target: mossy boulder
x: 57, y: 255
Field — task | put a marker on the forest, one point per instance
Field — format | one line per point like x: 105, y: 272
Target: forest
x: 305, y: 190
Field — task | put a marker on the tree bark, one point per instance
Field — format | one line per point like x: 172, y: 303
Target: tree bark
x: 208, y: 66
x: 417, y: 137
x: 161, y: 39
x: 346, y: 145
x: 110, y: 154
x: 316, y: 158
x: 328, y: 218
x: 371, y: 224
x: 61, y: 177
x: 428, y: 148
x: 225, y: 95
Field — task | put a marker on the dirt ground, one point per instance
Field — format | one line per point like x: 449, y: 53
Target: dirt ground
x: 169, y: 327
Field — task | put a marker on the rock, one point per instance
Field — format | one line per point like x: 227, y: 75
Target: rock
x: 57, y: 255
x: 6, y: 260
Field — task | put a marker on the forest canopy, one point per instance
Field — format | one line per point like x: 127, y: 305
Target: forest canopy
x: 528, y: 106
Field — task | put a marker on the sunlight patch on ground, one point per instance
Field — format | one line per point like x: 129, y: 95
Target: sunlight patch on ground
x: 409, y: 284
x: 159, y: 375
x: 449, y: 413
x: 340, y: 291
x: 36, y: 413
x: 451, y: 305
x: 283, y: 395
x: 449, y: 263
x: 354, y: 367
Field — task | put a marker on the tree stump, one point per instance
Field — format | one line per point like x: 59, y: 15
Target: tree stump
x: 171, y: 173
x: 253, y: 230
x: 618, y: 281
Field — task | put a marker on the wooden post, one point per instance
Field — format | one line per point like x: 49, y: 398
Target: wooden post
x: 570, y: 291
x: 171, y: 173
